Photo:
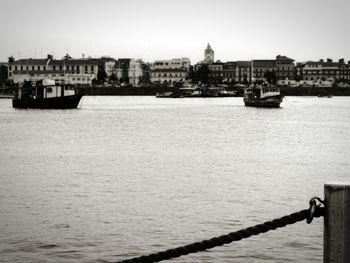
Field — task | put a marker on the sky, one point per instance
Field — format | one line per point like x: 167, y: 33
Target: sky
x: 164, y: 29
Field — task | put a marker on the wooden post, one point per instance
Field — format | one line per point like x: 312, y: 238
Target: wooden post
x: 337, y: 223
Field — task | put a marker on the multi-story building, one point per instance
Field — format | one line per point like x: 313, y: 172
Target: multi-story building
x: 106, y: 64
x: 216, y: 72
x: 285, y: 68
x: 69, y: 71
x: 229, y: 71
x: 129, y: 70
x: 261, y: 66
x: 244, y: 71
x: 170, y: 71
x: 282, y: 67
x: 324, y: 70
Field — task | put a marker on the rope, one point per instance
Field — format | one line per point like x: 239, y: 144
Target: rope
x: 313, y: 211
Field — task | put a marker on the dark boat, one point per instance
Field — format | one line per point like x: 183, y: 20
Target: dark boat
x: 262, y: 96
x: 45, y: 94
x: 169, y: 94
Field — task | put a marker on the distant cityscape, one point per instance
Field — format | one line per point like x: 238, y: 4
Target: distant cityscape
x: 108, y: 71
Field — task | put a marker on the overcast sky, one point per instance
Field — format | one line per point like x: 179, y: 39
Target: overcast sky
x: 162, y: 29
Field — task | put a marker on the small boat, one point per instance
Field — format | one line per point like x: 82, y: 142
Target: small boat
x: 168, y: 94
x: 227, y: 93
x: 190, y: 91
x: 45, y: 94
x: 262, y: 96
x: 324, y: 96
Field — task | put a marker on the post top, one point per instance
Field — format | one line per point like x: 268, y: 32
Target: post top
x: 337, y: 184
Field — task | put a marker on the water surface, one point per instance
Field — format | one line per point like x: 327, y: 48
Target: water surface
x: 126, y: 176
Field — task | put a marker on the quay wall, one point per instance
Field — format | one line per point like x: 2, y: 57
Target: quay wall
x: 151, y: 91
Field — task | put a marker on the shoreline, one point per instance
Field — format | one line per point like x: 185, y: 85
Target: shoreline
x: 152, y: 90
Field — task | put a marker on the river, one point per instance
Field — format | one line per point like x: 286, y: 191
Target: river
x: 120, y: 177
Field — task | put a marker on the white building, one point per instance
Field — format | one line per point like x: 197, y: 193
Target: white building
x: 128, y: 70
x: 170, y: 71
x: 71, y: 71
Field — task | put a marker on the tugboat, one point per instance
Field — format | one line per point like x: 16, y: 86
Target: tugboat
x: 45, y: 94
x: 262, y: 95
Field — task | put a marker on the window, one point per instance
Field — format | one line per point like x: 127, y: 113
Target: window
x: 15, y: 67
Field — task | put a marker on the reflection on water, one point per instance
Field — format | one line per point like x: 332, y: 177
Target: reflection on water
x: 125, y: 176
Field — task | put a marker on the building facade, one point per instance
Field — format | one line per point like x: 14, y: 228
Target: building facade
x: 324, y: 70
x: 170, y: 71
x: 244, y: 72
x: 70, y: 71
x: 282, y: 68
x: 129, y: 70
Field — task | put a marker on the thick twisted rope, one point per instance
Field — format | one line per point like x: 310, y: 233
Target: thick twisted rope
x: 314, y: 211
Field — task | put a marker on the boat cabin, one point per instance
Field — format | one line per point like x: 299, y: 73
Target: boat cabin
x: 43, y: 89
x: 261, y: 92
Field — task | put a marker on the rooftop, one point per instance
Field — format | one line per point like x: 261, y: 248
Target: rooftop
x: 46, y: 61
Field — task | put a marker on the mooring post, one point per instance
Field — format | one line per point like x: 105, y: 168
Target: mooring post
x: 337, y: 223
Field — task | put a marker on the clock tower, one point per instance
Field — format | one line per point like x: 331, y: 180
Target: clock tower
x: 209, y: 54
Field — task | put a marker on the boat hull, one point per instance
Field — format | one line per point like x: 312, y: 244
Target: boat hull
x: 263, y: 103
x: 65, y: 102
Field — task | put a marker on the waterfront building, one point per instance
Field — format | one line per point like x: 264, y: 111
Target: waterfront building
x: 216, y: 72
x: 285, y: 68
x: 282, y: 67
x: 244, y: 71
x: 129, y: 70
x: 261, y: 66
x: 106, y: 64
x: 170, y: 71
x: 229, y: 71
x: 313, y: 71
x: 68, y: 71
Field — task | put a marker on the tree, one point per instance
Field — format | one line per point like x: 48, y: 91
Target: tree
x: 191, y: 74
x: 270, y: 77
x: 49, y: 56
x: 3, y: 74
x: 11, y: 59
x: 113, y: 77
x: 202, y: 74
x: 66, y: 57
x: 101, y: 75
